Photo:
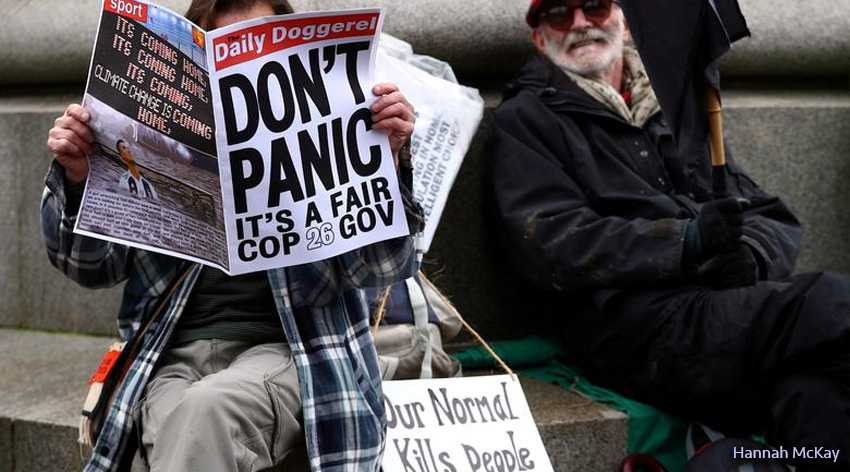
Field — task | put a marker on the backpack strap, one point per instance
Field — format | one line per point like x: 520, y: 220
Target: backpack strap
x: 420, y: 324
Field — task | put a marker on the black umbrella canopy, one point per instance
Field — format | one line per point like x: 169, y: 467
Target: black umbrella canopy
x: 680, y: 42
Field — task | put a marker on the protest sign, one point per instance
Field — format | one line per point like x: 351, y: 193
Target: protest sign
x: 447, y: 117
x: 472, y: 424
x: 264, y: 159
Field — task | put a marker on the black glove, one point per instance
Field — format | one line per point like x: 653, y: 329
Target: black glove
x: 717, y: 229
x: 738, y: 268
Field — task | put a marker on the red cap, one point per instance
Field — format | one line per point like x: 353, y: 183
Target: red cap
x: 531, y: 17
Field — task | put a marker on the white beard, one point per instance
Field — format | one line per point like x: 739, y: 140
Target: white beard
x: 588, y: 63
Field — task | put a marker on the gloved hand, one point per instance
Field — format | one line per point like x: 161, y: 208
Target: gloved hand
x: 737, y: 268
x: 716, y: 230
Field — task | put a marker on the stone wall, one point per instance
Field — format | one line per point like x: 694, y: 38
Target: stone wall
x: 49, y: 41
x: 794, y: 140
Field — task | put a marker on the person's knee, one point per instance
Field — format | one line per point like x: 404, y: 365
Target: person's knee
x: 835, y: 284
x: 201, y: 403
x: 828, y: 298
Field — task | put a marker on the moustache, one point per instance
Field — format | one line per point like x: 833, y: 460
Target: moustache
x: 577, y: 37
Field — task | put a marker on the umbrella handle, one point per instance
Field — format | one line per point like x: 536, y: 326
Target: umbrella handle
x: 715, y: 127
x: 718, y: 151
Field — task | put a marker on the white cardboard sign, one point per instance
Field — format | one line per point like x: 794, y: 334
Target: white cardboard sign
x: 472, y: 424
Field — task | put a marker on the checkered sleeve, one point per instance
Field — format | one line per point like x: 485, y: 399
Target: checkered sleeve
x: 90, y: 262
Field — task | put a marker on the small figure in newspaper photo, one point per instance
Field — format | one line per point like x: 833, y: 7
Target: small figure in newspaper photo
x: 237, y: 373
x: 677, y: 297
x: 132, y: 180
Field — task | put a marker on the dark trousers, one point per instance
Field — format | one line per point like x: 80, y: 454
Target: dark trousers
x: 773, y: 358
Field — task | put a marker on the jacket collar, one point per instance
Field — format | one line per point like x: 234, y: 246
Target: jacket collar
x: 555, y: 89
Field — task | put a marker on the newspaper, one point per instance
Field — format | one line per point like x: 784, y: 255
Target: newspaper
x: 244, y: 148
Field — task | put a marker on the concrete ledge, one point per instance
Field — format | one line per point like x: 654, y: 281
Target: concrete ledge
x: 579, y: 435
x: 795, y: 144
x: 32, y: 293
x: 50, y: 41
x: 43, y: 384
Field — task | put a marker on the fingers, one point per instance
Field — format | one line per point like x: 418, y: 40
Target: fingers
x: 389, y: 100
x: 70, y: 135
x: 77, y: 112
x: 397, y: 109
x: 65, y: 141
x: 79, y: 128
x: 745, y: 203
x: 393, y: 113
x: 384, y: 88
x: 395, y: 125
x: 730, y: 205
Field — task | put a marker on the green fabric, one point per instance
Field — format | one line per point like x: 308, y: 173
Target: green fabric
x: 650, y: 431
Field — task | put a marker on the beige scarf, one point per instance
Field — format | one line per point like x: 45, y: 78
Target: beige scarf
x: 644, y: 102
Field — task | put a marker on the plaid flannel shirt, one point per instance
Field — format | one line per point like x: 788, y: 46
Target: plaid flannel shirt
x: 324, y: 317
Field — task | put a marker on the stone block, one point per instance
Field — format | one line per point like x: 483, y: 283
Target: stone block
x: 783, y: 46
x: 796, y: 145
x: 47, y: 447
x: 32, y: 293
x: 43, y: 380
x: 43, y: 383
x: 43, y: 376
x: 50, y: 41
x: 7, y: 446
x: 579, y: 435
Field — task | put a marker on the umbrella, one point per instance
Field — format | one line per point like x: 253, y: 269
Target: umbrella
x: 680, y: 42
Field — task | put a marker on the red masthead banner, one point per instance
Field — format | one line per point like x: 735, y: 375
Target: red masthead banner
x: 128, y: 8
x: 257, y: 41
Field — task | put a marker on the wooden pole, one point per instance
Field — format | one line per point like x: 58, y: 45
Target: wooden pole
x: 718, y: 151
x: 715, y: 127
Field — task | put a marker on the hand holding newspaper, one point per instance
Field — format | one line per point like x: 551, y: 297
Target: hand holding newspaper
x: 246, y: 148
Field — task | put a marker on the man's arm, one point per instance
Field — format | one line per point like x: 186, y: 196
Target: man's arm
x: 90, y: 262
x: 383, y: 263
x: 390, y: 261
x: 555, y: 237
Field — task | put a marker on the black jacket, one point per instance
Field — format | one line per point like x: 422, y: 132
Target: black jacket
x: 586, y: 201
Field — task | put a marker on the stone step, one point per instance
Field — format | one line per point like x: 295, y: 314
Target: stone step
x: 43, y: 384
x: 50, y: 41
x: 794, y: 143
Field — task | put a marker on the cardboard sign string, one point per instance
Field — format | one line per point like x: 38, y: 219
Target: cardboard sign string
x: 381, y: 310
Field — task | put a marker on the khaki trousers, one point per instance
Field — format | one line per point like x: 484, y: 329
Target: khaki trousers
x: 216, y: 405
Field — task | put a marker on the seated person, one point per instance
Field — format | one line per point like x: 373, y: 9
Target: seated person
x: 243, y: 372
x: 668, y: 296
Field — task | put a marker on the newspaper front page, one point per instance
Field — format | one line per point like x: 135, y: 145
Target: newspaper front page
x: 305, y: 177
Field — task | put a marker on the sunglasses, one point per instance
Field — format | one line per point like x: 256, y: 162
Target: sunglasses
x: 560, y: 17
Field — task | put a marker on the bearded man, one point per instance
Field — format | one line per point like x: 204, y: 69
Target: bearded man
x: 666, y: 295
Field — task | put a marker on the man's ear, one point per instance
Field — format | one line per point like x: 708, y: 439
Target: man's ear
x: 538, y: 40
